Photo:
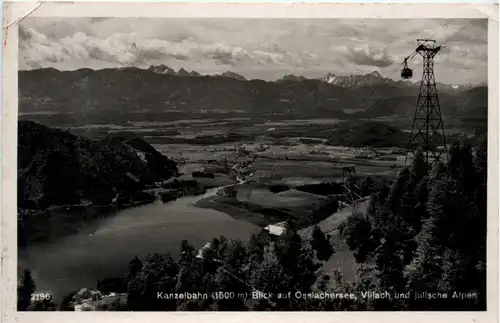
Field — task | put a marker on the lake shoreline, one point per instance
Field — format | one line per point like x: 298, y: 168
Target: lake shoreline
x: 215, y: 203
x: 45, y: 225
x: 103, y: 250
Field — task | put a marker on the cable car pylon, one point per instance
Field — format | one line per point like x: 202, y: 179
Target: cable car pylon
x: 427, y: 131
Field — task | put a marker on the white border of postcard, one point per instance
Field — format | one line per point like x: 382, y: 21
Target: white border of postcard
x: 14, y: 12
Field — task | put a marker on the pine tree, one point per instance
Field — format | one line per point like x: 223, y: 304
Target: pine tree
x: 480, y: 223
x: 418, y: 167
x: 188, y: 271
x: 186, y: 253
x: 420, y: 211
x: 134, y: 267
x: 305, y: 270
x: 42, y: 306
x: 24, y: 290
x: 158, y: 274
x: 389, y: 261
x: 232, y: 277
x: 359, y: 236
x: 397, y: 190
x: 270, y: 277
x: 454, y: 161
x: 321, y: 244
x: 67, y: 303
x: 255, y: 249
x: 291, y: 226
x: 414, y: 197
x: 437, y: 264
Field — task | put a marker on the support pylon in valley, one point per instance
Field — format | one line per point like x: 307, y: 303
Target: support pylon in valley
x: 427, y: 131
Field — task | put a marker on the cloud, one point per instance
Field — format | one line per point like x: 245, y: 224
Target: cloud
x: 256, y: 48
x: 223, y: 54
x: 369, y: 56
x: 25, y: 35
x: 128, y: 49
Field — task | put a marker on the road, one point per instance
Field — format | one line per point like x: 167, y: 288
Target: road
x: 331, y: 223
x: 342, y: 259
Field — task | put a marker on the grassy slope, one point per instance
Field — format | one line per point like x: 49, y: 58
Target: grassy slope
x: 342, y: 259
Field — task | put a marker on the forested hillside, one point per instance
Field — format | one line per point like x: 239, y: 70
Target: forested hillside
x: 58, y: 168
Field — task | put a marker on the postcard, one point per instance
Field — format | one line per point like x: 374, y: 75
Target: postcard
x: 314, y: 162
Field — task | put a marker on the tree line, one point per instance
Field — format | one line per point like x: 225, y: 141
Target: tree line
x: 427, y: 233
x: 228, y: 265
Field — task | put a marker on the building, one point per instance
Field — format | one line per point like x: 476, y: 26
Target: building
x: 275, y: 231
x: 201, y: 252
x: 92, y: 300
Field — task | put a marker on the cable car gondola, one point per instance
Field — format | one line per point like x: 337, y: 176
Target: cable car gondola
x: 406, y: 72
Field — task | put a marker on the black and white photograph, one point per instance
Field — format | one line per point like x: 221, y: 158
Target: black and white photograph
x: 252, y: 164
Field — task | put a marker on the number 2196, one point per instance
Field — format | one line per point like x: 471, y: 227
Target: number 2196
x: 40, y: 297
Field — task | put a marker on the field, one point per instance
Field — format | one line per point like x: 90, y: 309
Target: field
x: 275, y: 158
x: 273, y: 161
x: 295, y: 164
x: 278, y: 164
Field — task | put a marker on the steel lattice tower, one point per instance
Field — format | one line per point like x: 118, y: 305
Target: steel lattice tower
x: 427, y: 131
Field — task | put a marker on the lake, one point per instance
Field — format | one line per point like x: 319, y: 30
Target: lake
x: 73, y: 262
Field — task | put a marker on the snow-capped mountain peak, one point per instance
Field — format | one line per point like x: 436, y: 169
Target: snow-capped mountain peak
x: 330, y: 78
x: 373, y: 78
x: 162, y: 69
x: 233, y: 75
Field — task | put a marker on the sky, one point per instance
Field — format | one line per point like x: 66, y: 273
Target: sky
x: 256, y: 48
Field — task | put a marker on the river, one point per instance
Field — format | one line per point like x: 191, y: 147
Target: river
x: 76, y: 261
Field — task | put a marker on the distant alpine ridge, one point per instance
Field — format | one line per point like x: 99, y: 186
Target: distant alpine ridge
x: 123, y: 94
x: 374, y: 78
x: 346, y: 81
x: 163, y: 69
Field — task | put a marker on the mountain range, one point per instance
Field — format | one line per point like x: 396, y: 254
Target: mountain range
x: 347, y: 81
x: 111, y: 95
x: 163, y: 69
